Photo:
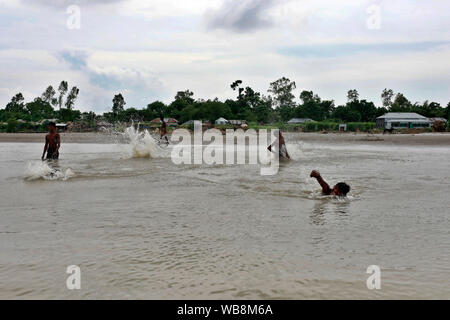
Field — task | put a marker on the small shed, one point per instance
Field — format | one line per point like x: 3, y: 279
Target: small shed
x: 222, y: 121
x: 61, y: 126
x: 299, y: 120
x: 343, y: 127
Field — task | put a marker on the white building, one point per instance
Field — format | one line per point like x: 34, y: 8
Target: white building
x: 402, y: 120
x: 299, y: 120
x: 222, y: 121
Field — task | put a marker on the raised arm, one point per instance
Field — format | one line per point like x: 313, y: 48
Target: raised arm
x: 45, y: 147
x: 325, y: 187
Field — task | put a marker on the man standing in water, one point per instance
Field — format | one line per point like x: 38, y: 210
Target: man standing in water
x: 163, y: 131
x: 341, y: 189
x: 52, y: 143
x: 281, y: 145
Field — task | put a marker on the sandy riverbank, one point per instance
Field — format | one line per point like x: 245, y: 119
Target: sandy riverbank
x: 425, y: 139
x: 71, y: 137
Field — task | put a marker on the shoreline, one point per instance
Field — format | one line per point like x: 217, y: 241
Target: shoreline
x: 423, y: 139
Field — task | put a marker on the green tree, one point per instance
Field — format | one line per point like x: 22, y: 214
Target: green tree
x: 263, y: 110
x: 366, y: 110
x: 447, y: 112
x: 17, y: 104
x: 89, y: 118
x: 283, y: 97
x: 49, y: 96
x: 72, y: 97
x: 66, y: 114
x: 39, y: 109
x: 62, y: 89
x: 345, y: 113
x: 386, y: 97
x: 310, y: 107
x: 235, y: 86
x: 182, y: 100
x: 313, y: 107
x: 156, y: 109
x: 130, y: 114
x: 381, y: 111
x: 212, y: 110
x: 400, y: 104
x: 11, y: 127
x: 185, y: 96
x: 118, y: 104
x: 352, y: 95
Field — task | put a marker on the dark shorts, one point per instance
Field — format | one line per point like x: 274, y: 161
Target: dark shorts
x: 52, y: 155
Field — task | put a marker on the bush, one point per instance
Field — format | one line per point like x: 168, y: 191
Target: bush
x: 310, y: 126
x: 12, y: 126
x: 361, y: 126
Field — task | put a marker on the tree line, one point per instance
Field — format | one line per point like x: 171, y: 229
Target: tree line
x: 279, y: 105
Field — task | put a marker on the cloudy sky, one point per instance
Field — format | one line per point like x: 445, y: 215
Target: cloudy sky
x: 150, y: 49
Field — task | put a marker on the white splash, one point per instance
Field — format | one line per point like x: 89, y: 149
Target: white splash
x: 42, y: 170
x: 143, y: 145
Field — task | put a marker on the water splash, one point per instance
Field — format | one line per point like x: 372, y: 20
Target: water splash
x: 143, y: 145
x: 41, y: 170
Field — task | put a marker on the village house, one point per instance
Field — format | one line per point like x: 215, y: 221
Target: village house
x: 299, y: 120
x: 222, y: 121
x: 402, y: 120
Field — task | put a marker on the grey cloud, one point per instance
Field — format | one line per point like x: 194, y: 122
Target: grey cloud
x: 140, y: 87
x: 241, y: 16
x: 76, y: 59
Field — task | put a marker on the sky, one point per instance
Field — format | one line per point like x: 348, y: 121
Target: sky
x: 150, y: 49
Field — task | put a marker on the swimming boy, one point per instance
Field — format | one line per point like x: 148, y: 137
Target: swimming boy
x: 341, y: 189
x: 52, y: 143
x: 281, y: 145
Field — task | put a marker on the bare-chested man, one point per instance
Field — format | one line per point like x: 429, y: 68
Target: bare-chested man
x: 52, y: 143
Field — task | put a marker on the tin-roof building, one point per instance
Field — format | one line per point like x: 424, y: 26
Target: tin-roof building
x: 438, y: 119
x: 222, y: 121
x: 299, y: 120
x: 402, y: 120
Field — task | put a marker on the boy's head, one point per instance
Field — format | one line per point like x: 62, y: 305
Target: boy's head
x: 162, y: 118
x: 51, y: 126
x: 341, y: 189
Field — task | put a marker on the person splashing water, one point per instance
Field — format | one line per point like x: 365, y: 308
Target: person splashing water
x: 280, y: 144
x: 341, y: 189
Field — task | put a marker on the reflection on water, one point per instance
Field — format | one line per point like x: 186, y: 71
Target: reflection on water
x: 338, y: 209
x: 142, y: 227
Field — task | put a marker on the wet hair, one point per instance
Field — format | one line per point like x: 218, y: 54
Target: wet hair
x: 343, y: 188
x: 52, y: 124
x: 162, y: 118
